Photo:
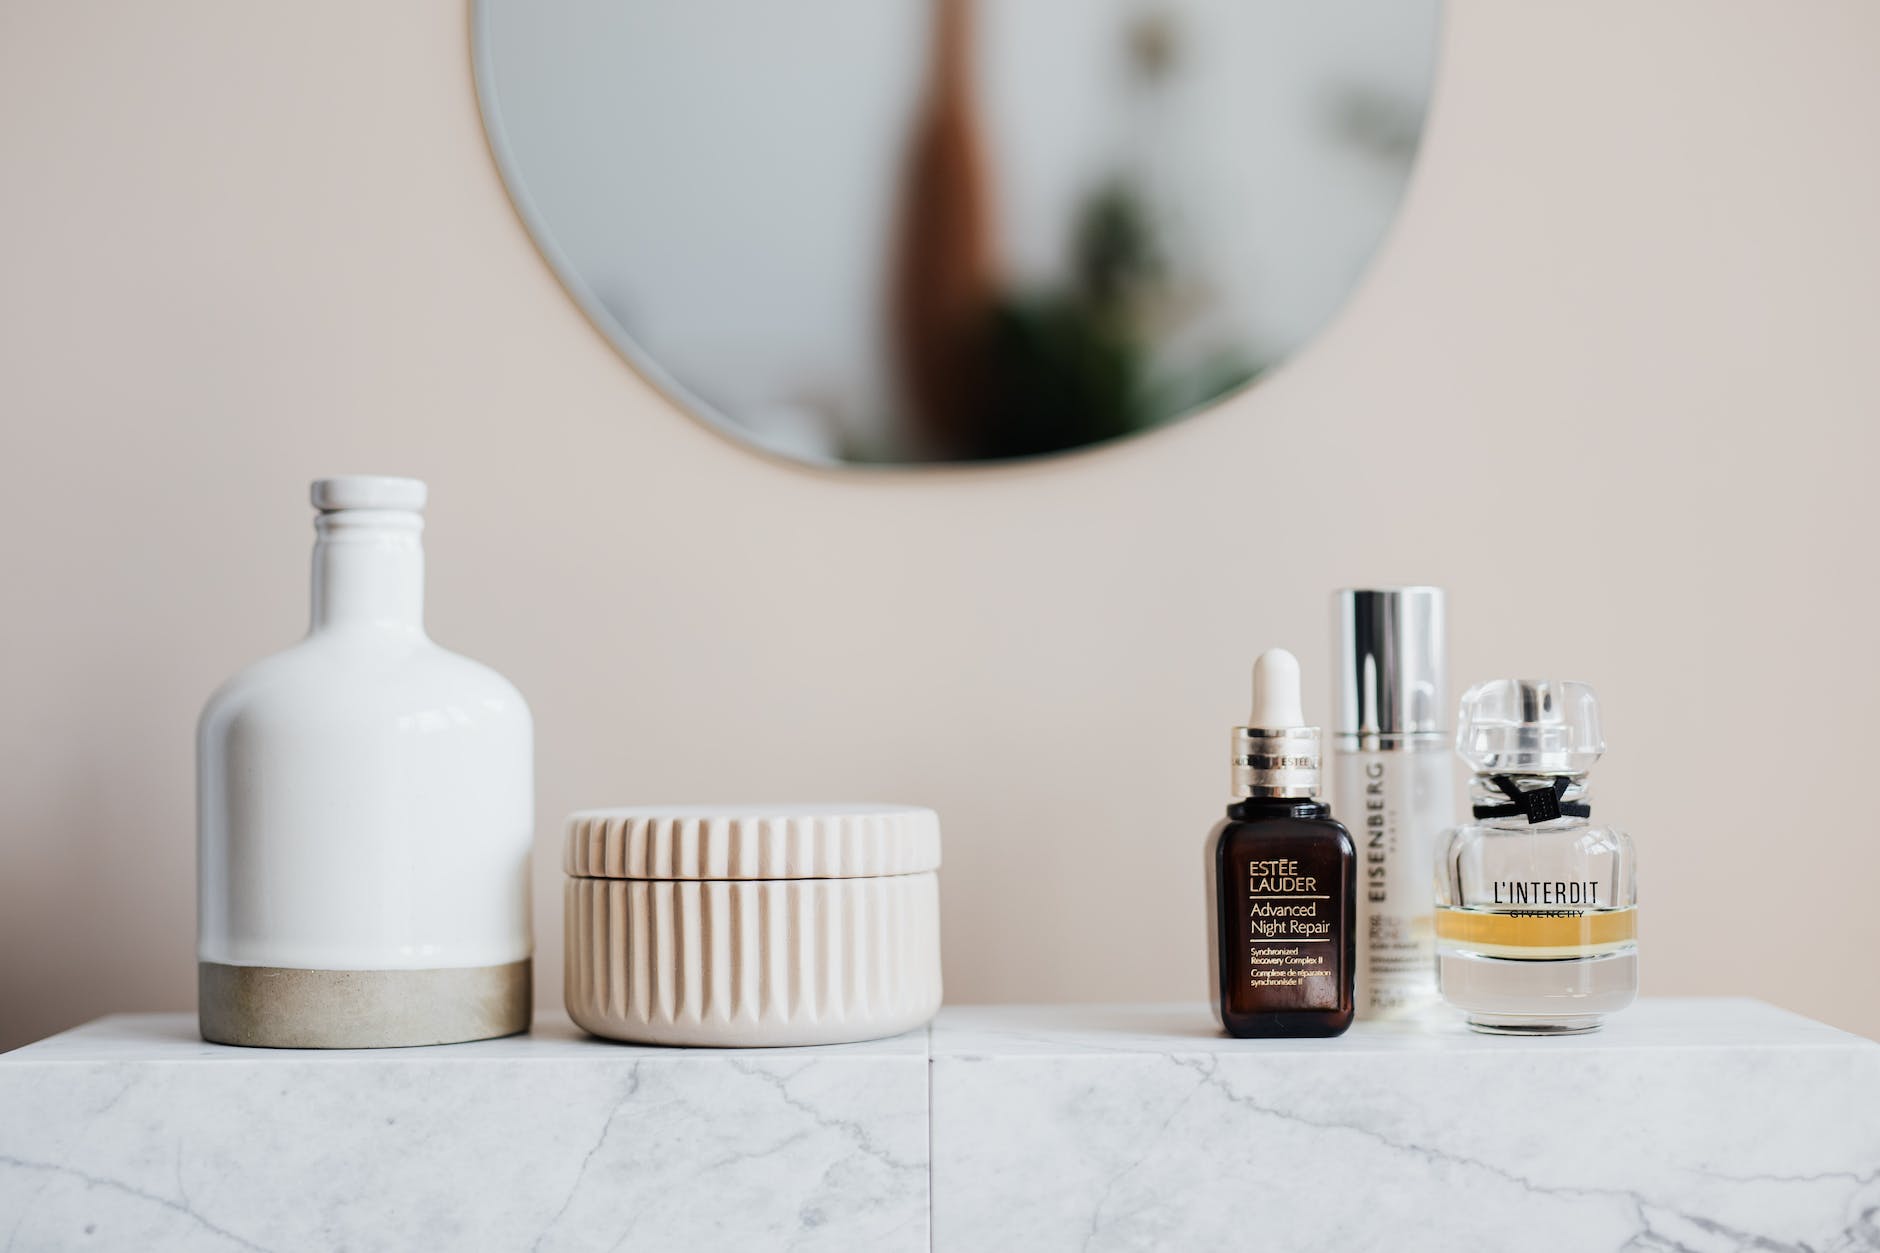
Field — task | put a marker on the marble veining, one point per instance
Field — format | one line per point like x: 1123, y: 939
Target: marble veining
x: 131, y: 1135
x: 1686, y: 1127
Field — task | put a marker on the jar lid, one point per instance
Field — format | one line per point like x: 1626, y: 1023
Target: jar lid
x: 752, y: 842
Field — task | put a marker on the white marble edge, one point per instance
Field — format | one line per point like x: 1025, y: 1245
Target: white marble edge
x: 1685, y: 1126
x: 1081, y: 1127
x: 1164, y: 1029
x: 131, y: 1132
x: 965, y: 1031
x: 172, y: 1037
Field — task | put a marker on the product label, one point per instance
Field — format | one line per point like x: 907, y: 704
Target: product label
x: 1289, y: 926
x: 1545, y: 892
x: 1395, y: 802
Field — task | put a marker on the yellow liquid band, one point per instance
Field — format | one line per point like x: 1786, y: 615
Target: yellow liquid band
x: 1538, y: 934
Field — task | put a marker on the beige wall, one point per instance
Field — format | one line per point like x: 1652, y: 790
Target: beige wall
x: 1614, y: 384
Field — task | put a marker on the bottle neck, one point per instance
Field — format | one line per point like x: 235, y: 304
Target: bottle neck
x: 1484, y: 792
x: 368, y: 571
x: 1251, y: 807
x: 1281, y: 763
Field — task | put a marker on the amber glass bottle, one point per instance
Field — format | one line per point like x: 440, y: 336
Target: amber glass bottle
x: 1284, y: 878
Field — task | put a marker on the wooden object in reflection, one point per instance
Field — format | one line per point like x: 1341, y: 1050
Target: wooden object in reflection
x: 943, y: 270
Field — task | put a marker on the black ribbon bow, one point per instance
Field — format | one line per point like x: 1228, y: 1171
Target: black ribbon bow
x: 1540, y: 804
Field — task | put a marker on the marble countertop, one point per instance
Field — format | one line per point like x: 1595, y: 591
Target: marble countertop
x: 1685, y: 1125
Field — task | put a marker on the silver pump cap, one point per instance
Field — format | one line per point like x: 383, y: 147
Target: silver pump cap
x: 1530, y: 726
x: 1277, y: 754
x: 1391, y: 671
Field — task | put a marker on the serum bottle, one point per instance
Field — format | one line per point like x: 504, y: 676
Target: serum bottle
x: 1393, y: 780
x: 1282, y: 877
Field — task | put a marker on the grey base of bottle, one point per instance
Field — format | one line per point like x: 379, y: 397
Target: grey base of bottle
x: 282, y: 1008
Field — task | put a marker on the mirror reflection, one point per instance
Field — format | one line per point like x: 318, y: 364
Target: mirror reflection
x: 900, y: 231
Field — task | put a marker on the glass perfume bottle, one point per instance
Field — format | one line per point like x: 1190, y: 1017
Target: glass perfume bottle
x: 1536, y: 905
x: 1282, y: 874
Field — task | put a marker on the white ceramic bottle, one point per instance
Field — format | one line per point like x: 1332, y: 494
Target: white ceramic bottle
x: 365, y: 813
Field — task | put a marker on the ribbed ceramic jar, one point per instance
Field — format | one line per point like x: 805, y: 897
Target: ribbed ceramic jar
x: 752, y: 926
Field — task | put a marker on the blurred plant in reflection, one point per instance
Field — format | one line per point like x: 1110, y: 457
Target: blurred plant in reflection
x: 1077, y: 366
x: 988, y: 371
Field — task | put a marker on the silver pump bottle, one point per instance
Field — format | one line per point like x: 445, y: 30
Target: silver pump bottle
x: 1393, y: 783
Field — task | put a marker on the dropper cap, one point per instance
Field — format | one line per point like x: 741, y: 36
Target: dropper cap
x: 1276, y: 755
x: 1276, y: 700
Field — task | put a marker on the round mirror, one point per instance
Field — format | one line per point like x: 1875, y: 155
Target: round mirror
x: 899, y: 231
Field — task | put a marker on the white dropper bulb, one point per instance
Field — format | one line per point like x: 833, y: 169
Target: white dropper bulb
x: 1276, y: 702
